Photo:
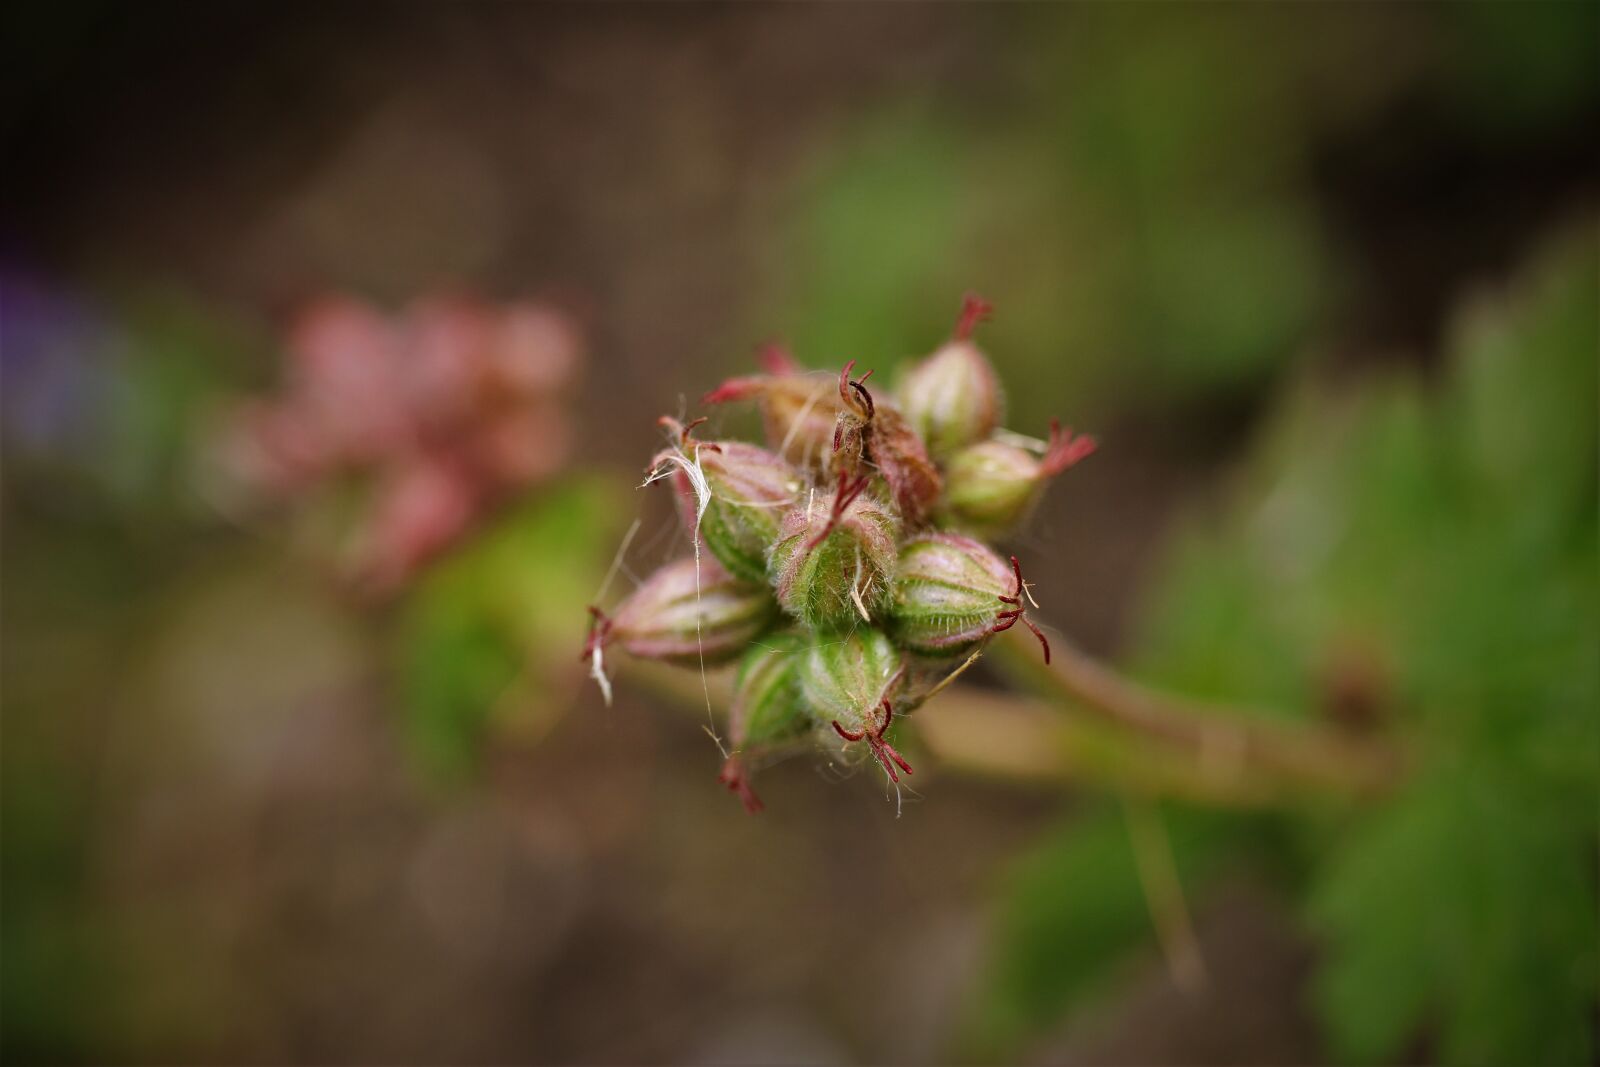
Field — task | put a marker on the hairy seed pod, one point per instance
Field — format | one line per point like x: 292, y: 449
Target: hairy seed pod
x: 991, y: 487
x: 750, y: 489
x: 872, y: 436
x: 675, y: 618
x: 834, y: 556
x: 950, y: 592
x: 847, y: 677
x: 853, y: 683
x: 767, y: 707
x: 953, y: 398
x: 798, y: 408
x: 768, y: 712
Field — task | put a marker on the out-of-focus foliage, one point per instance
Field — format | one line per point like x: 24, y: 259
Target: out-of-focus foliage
x: 1142, y: 195
x: 1469, y: 902
x: 1145, y: 213
x: 1072, y: 910
x: 1519, y: 67
x: 1421, y: 560
x: 487, y: 640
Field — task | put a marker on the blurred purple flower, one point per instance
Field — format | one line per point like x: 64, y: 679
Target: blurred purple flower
x: 55, y: 353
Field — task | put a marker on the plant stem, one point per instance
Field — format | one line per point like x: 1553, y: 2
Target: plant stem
x: 1152, y: 747
x: 1229, y: 740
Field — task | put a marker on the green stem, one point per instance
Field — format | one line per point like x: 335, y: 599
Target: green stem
x: 1006, y: 737
x: 1232, y: 741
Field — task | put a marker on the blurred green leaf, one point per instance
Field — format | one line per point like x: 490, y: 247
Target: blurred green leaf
x: 1454, y: 536
x: 1437, y: 550
x: 502, y: 620
x: 1516, y: 67
x: 1142, y: 218
x: 1073, y: 908
x: 1468, y: 903
x: 873, y: 276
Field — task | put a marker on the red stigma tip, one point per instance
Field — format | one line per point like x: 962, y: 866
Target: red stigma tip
x: 1006, y: 619
x: 843, y: 497
x: 882, y: 750
x: 1065, y: 450
x: 846, y: 734
x: 974, y: 309
x: 734, y: 777
x: 853, y: 394
x: 777, y: 360
x: 681, y: 430
x: 734, y: 389
x: 599, y: 632
x: 1040, y: 635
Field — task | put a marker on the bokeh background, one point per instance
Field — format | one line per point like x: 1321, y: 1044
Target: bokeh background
x: 1322, y: 279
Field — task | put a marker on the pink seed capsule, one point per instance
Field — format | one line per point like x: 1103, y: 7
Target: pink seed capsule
x: 991, y: 487
x: 677, y: 619
x: 750, y: 489
x: 951, y: 592
x: 852, y: 683
x: 798, y: 408
x: 953, y: 398
x: 831, y: 564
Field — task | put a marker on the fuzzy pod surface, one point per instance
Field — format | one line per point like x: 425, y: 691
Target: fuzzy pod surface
x: 826, y: 559
x: 750, y: 490
x: 846, y: 678
x: 953, y: 398
x: 947, y: 593
x: 768, y: 709
x: 675, y: 618
x: 991, y: 487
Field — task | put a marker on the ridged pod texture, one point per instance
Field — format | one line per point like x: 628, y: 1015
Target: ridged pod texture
x: 946, y: 593
x: 750, y: 489
x: 990, y: 488
x: 953, y: 398
x: 846, y: 678
x: 768, y: 710
x: 814, y: 583
x: 672, y: 619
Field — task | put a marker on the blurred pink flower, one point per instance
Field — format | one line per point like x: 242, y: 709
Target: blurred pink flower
x: 441, y: 410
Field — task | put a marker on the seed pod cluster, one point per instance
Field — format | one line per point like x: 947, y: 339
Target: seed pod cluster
x: 845, y: 563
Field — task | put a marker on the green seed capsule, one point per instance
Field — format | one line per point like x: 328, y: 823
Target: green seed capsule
x: 750, y: 488
x: 833, y: 558
x: 953, y: 398
x: 854, y: 683
x: 949, y: 593
x: 846, y: 678
x: 674, y: 618
x: 768, y: 711
x: 991, y: 487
